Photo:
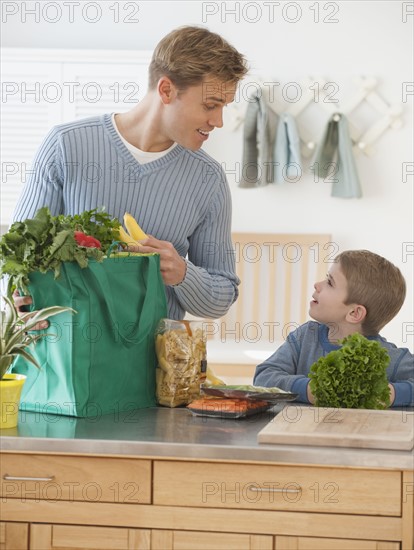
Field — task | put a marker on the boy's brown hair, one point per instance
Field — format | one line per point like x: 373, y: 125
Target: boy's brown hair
x: 188, y: 55
x: 375, y: 283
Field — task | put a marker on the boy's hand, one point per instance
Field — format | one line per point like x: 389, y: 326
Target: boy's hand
x: 312, y: 398
x: 310, y: 395
x: 392, y: 394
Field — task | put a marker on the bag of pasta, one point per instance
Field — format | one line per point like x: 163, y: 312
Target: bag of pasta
x: 181, y: 352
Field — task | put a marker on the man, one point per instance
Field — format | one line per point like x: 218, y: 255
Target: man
x: 148, y: 162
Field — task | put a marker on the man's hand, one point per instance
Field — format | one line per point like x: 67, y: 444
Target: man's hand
x: 172, y: 266
x: 20, y: 302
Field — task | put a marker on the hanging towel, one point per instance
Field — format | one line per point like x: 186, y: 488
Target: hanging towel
x: 334, y: 159
x: 258, y: 144
x: 287, y: 151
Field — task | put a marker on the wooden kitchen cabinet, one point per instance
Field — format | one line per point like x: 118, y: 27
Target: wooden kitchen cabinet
x: 75, y: 537
x: 198, y: 504
x: 14, y: 536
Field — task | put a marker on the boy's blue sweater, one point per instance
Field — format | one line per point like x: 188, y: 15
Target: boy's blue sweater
x: 289, y: 366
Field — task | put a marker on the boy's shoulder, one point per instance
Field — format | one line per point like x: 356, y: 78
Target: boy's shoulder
x: 310, y: 329
x: 392, y: 349
x: 308, y: 339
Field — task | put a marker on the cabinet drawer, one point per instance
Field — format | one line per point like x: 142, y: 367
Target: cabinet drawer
x: 332, y: 490
x: 74, y: 478
x: 78, y: 537
x: 317, y: 543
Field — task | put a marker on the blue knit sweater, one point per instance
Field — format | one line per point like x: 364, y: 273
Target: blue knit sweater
x: 182, y: 198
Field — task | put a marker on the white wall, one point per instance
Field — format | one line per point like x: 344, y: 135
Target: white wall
x: 369, y: 38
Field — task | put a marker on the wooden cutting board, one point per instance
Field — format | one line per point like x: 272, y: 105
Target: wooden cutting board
x: 369, y: 429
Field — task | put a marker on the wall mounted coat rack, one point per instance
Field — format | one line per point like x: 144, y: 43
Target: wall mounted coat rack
x: 319, y: 91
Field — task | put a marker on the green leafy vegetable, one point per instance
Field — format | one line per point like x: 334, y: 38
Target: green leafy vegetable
x: 352, y: 377
x: 96, y: 223
x: 44, y: 242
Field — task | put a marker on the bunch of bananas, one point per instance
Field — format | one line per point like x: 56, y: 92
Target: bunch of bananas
x: 134, y: 233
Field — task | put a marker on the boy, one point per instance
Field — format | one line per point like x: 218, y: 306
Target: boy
x: 150, y: 164
x: 361, y: 293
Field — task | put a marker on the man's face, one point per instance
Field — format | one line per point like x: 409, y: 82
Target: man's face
x: 195, y: 112
x: 328, y: 304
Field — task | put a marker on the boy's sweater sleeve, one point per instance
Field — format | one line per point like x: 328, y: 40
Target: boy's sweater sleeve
x: 281, y: 370
x: 402, y: 378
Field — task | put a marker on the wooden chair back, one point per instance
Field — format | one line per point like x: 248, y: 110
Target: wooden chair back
x: 277, y: 273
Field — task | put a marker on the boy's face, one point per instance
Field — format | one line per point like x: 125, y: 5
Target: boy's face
x: 193, y: 113
x: 328, y: 304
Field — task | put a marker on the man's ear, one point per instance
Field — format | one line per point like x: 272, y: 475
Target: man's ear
x: 166, y: 90
x: 357, y: 314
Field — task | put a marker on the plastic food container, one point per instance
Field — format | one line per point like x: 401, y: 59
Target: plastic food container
x: 182, y: 363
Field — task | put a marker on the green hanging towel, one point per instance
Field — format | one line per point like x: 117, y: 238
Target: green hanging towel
x: 101, y: 359
x: 335, y: 161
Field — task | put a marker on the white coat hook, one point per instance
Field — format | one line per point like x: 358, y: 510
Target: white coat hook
x: 315, y: 91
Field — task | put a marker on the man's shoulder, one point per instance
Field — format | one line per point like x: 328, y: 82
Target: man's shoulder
x: 79, y: 125
x: 211, y: 164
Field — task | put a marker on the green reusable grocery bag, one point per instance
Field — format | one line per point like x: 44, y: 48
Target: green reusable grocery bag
x: 102, y: 359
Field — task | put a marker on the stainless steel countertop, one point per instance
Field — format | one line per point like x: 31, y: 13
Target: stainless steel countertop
x: 176, y: 433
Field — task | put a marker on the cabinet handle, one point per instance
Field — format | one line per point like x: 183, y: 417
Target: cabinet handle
x: 6, y: 477
x: 270, y: 490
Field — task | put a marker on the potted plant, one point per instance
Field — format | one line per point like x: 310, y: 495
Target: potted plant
x: 14, y: 341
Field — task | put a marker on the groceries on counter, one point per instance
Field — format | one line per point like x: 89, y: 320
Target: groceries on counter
x: 227, y: 408
x: 181, y: 352
x: 227, y: 401
x: 183, y: 378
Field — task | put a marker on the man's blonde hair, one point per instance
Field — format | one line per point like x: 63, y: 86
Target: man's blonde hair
x: 188, y: 55
x: 374, y: 283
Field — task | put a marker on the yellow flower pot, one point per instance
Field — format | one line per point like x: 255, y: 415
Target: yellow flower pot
x: 10, y: 389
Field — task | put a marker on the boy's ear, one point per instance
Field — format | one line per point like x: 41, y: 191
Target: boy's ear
x: 357, y: 314
x: 166, y: 89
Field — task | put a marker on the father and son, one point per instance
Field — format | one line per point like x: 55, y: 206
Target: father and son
x: 181, y: 198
